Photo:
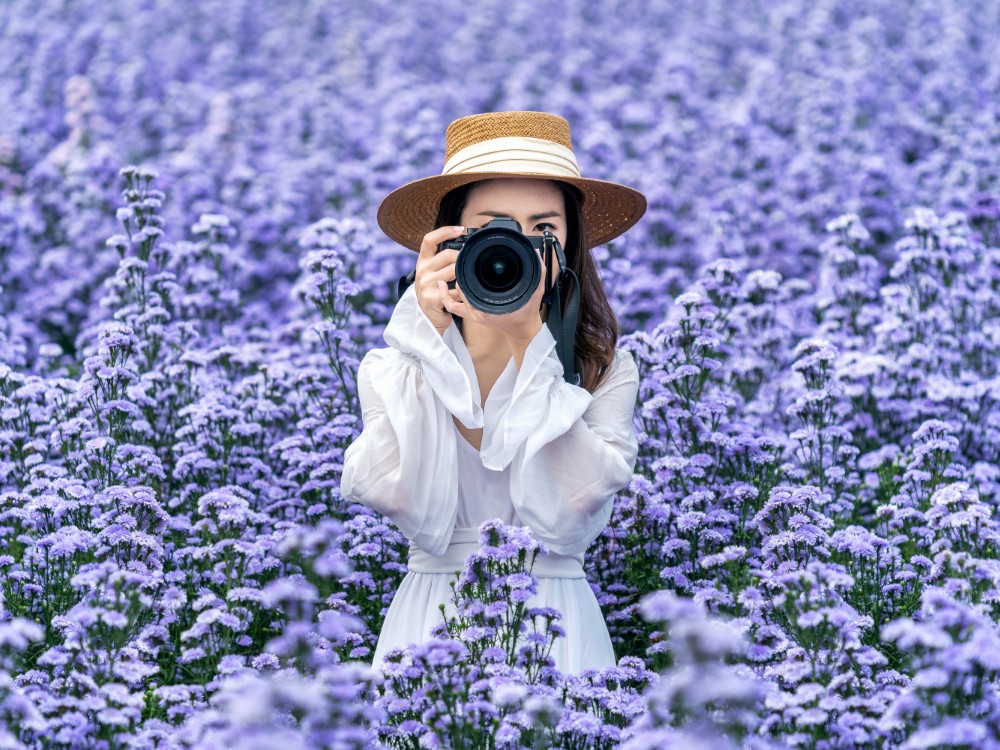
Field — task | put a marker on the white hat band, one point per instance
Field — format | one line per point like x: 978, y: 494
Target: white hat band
x: 514, y: 154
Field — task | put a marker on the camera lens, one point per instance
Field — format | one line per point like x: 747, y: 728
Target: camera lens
x: 498, y: 268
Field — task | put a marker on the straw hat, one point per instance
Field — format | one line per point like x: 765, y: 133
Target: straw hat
x: 533, y: 145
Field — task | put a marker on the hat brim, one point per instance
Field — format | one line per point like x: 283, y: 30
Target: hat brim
x: 409, y: 212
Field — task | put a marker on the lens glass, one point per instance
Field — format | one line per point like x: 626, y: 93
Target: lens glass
x: 498, y: 268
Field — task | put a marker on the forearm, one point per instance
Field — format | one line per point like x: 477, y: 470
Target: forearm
x: 402, y: 463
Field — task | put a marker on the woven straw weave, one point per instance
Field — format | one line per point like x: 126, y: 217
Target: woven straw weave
x: 478, y: 128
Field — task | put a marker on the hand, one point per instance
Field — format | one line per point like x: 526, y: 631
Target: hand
x: 434, y: 270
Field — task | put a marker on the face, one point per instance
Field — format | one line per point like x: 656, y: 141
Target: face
x: 537, y: 205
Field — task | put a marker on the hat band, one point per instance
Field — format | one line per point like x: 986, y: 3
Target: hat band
x: 514, y: 154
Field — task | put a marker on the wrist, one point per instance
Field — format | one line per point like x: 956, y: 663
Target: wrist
x: 523, y: 334
x: 520, y: 339
x: 433, y: 318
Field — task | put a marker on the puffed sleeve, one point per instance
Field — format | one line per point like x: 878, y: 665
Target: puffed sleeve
x: 569, y: 451
x: 403, y: 462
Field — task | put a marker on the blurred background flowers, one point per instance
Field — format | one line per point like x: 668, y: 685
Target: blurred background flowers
x: 190, y: 271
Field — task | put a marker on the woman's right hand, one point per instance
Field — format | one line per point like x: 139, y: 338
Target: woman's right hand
x: 433, y: 267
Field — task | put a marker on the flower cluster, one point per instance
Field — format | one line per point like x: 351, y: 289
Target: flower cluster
x: 485, y: 678
x: 190, y: 270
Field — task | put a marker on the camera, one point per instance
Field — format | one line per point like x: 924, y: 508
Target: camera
x: 497, y: 268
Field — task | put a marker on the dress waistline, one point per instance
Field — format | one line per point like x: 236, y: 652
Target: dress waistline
x: 466, y: 541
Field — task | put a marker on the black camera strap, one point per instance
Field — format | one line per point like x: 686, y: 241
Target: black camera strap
x: 404, y: 281
x: 563, y: 327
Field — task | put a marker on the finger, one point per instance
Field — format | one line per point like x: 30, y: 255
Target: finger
x: 429, y: 245
x: 448, y: 301
x: 442, y: 274
x: 438, y: 261
x: 536, y: 297
x: 541, y: 260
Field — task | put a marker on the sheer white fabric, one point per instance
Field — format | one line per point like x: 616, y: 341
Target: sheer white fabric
x: 552, y: 458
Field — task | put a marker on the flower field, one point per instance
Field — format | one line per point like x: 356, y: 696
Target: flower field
x: 808, y: 554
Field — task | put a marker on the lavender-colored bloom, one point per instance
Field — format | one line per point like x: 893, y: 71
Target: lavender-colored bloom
x: 810, y: 298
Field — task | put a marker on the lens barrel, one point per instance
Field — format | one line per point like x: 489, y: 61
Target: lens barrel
x: 498, y: 269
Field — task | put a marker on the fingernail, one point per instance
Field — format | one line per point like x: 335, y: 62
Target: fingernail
x: 459, y: 229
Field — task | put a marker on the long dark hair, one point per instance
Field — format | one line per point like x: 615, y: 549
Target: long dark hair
x: 597, y: 329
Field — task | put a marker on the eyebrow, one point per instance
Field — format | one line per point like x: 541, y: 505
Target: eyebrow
x: 536, y: 217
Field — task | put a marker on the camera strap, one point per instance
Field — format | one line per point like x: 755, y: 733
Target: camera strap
x: 563, y: 326
x: 404, y: 281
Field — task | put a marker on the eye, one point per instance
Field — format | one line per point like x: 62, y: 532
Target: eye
x: 551, y: 227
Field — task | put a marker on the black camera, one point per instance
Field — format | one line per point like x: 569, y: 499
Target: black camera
x: 497, y: 268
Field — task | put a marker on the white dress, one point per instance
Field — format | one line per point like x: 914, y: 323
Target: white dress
x: 552, y: 458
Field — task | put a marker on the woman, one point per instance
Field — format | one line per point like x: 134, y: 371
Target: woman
x: 467, y: 415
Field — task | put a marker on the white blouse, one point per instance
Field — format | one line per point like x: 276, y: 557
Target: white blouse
x: 552, y: 458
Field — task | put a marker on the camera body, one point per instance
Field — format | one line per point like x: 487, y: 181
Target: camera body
x: 498, y: 268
